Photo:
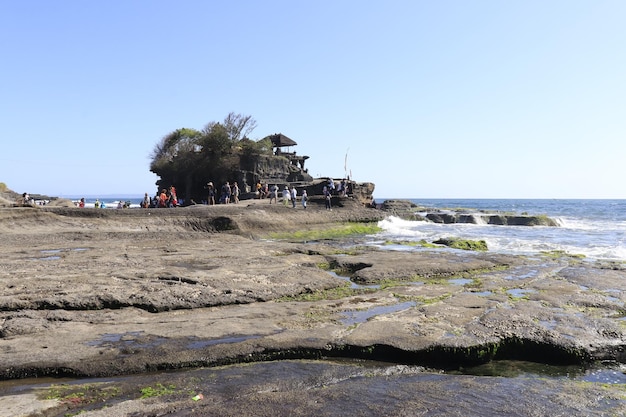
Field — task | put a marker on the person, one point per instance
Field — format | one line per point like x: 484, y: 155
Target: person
x: 172, y: 199
x: 294, y: 194
x: 286, y: 196
x: 274, y: 193
x: 163, y: 198
x: 235, y: 193
x: 258, y: 189
x: 120, y: 204
x: 26, y: 200
x: 211, y: 193
x: 225, y: 198
x: 305, y: 197
x: 96, y: 204
x: 145, y: 203
x: 81, y: 203
x: 327, y: 194
x: 331, y: 186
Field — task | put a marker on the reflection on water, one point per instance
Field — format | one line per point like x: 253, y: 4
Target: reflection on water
x: 460, y: 281
x: 351, y: 388
x: 352, y: 284
x: 519, y: 292
x: 361, y: 316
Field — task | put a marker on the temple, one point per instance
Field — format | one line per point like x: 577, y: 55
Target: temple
x: 286, y: 168
x: 280, y: 141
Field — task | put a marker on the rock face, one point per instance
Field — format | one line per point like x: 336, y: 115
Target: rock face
x: 496, y: 219
x: 114, y: 292
x: 275, y: 169
x: 410, y: 211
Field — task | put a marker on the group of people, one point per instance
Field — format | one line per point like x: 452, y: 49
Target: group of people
x: 288, y: 195
x: 166, y: 198
x: 342, y: 188
x: 227, y: 193
x: 27, y: 200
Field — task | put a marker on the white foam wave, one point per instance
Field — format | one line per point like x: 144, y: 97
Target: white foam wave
x: 397, y: 226
x: 108, y: 205
x: 592, y: 238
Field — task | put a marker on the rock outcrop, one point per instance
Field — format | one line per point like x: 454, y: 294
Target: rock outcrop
x: 411, y: 211
x: 116, y: 292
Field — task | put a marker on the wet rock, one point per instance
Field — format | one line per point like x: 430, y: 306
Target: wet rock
x: 129, y: 291
x: 463, y: 244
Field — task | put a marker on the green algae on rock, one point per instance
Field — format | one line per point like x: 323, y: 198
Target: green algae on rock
x: 464, y: 244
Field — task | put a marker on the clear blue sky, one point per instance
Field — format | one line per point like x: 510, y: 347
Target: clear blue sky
x: 432, y: 99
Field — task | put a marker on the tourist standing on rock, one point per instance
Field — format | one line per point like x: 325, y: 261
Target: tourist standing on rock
x: 145, y: 203
x: 27, y: 200
x: 294, y: 194
x: 235, y: 193
x: 225, y: 199
x: 305, y: 197
x: 327, y: 194
x: 211, y: 200
x: 274, y: 194
x: 172, y: 199
x: 163, y: 198
x: 286, y: 196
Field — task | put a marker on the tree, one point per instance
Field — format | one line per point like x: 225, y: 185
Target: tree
x: 188, y: 158
x: 180, y: 142
x: 175, y: 159
x: 237, y: 126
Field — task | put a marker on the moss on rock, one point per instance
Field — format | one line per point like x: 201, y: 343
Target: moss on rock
x: 463, y: 244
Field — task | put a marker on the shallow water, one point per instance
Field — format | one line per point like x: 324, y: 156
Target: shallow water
x: 360, y: 316
x: 365, y: 388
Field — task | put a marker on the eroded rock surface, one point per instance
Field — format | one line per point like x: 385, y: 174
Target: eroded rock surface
x: 115, y: 292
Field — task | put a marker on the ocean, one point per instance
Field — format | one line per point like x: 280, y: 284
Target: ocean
x: 110, y: 201
x: 593, y: 228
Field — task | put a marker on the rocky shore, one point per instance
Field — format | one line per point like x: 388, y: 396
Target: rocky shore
x: 107, y: 293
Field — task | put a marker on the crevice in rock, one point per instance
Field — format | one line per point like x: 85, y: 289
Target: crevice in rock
x: 445, y: 358
x: 178, y: 280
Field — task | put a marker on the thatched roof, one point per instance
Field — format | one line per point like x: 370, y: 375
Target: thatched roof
x: 279, y: 140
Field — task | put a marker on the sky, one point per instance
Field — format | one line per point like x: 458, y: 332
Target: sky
x: 425, y: 99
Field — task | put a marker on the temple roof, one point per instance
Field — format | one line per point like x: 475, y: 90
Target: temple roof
x: 280, y: 140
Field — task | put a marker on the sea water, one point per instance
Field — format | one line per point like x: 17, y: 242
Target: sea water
x: 109, y: 201
x: 593, y: 228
